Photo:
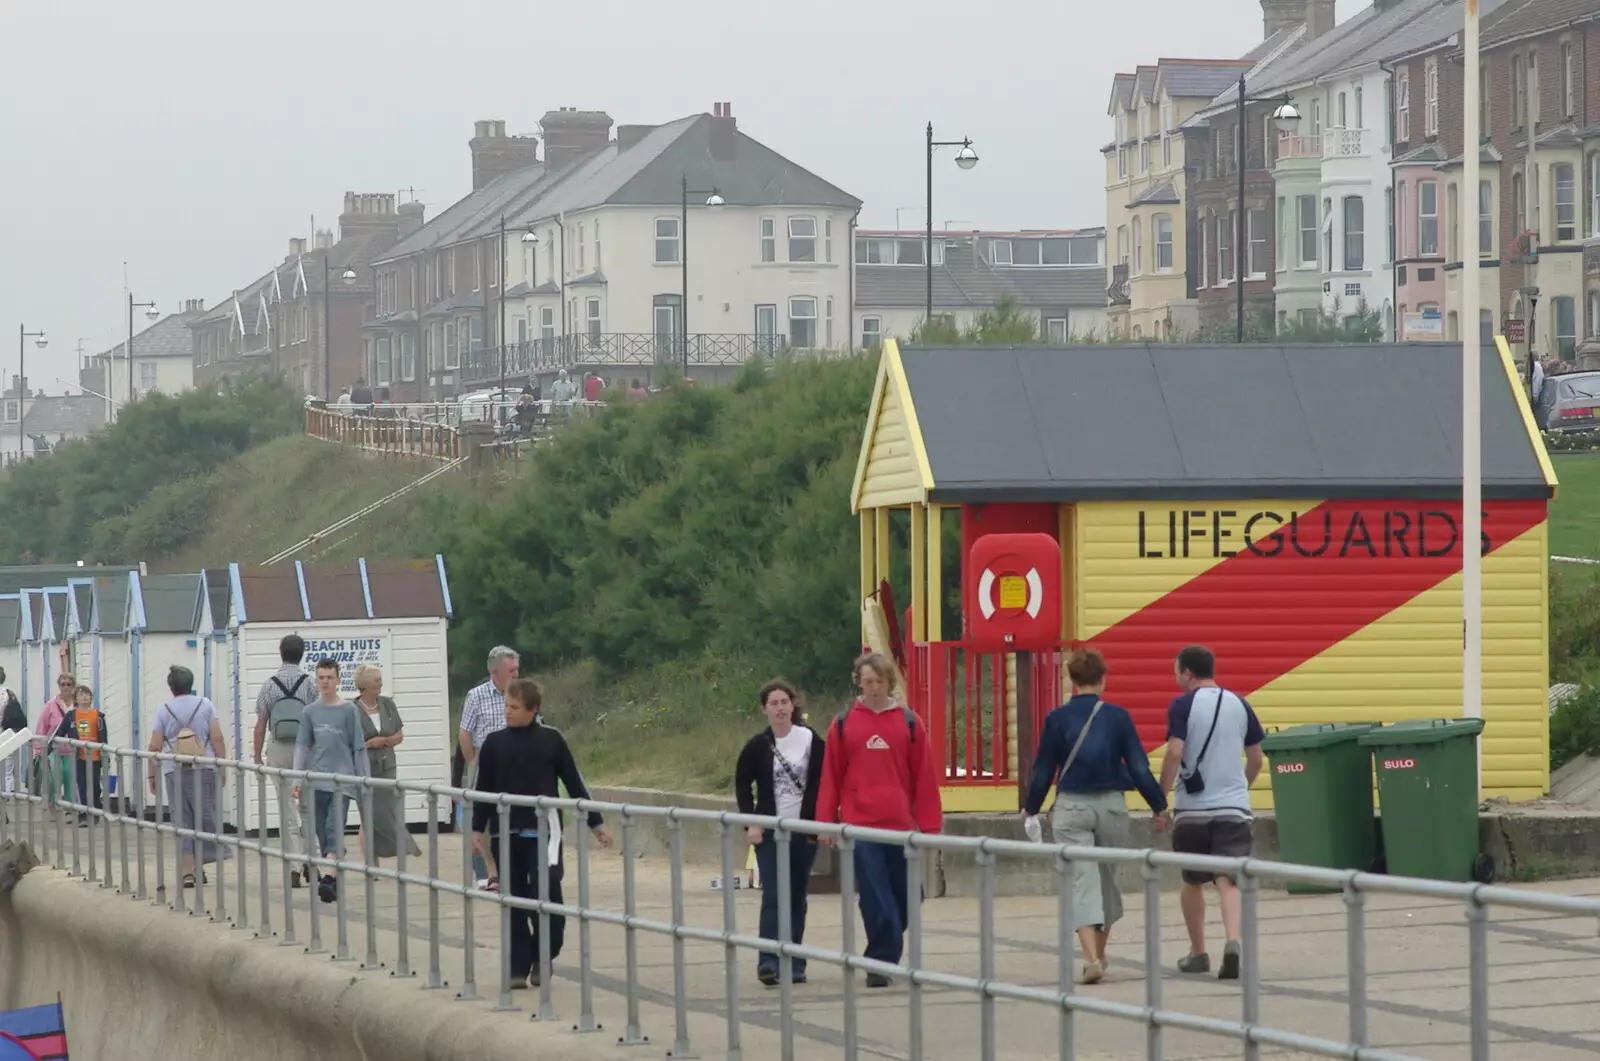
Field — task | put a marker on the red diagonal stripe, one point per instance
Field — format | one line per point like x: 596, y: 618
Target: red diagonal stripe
x: 1303, y: 589
x: 48, y: 1047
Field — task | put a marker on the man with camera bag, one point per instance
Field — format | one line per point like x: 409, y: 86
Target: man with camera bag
x: 1213, y: 756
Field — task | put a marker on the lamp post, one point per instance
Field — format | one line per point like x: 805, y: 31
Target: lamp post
x: 1286, y: 117
x: 1471, y: 407
x: 39, y: 340
x: 348, y: 277
x: 714, y: 201
x: 151, y: 312
x: 529, y: 239
x: 966, y: 158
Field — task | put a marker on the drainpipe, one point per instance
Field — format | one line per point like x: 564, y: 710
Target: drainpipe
x: 1392, y: 221
x: 850, y: 313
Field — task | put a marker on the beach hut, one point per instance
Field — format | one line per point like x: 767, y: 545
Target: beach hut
x: 165, y: 614
x: 81, y: 656
x: 219, y: 657
x: 1297, y: 509
x: 394, y: 614
x: 11, y: 639
x: 109, y: 626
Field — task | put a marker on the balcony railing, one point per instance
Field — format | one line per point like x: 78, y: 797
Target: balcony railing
x: 1291, y: 146
x: 1118, y: 291
x: 616, y: 348
x: 1345, y: 143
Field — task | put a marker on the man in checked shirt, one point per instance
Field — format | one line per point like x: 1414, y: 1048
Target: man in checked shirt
x: 482, y: 713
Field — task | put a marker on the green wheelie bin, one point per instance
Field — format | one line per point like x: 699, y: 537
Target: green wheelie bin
x: 1428, y: 798
x: 1322, y: 795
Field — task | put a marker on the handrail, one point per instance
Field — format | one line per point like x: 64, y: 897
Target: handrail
x: 109, y: 828
x: 354, y: 517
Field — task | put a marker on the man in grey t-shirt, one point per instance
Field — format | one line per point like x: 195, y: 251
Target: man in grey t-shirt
x: 281, y: 700
x: 330, y: 742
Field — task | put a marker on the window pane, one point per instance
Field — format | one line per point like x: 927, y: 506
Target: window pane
x: 1056, y: 252
x: 1025, y: 252
x: 1085, y: 250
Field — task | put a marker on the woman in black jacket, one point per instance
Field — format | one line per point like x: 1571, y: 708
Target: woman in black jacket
x: 778, y: 774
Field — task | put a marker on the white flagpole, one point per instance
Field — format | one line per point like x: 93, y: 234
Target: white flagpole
x: 1471, y: 396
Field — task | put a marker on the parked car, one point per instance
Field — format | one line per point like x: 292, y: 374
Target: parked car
x: 1569, y: 402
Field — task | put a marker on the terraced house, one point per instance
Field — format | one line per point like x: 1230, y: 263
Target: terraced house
x: 1057, y: 278
x: 688, y: 244
x: 1151, y: 166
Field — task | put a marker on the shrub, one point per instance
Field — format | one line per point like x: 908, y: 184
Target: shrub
x: 1575, y: 727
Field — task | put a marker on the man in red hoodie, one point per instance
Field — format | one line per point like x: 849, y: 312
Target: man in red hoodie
x: 878, y: 773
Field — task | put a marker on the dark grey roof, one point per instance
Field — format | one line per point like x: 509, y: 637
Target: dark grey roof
x: 171, y: 603
x: 1564, y: 135
x: 1535, y: 16
x: 1428, y: 152
x: 220, y: 589
x: 10, y: 621
x: 474, y: 213
x: 58, y: 614
x: 83, y: 600
x: 967, y: 279
x: 111, y: 603
x: 1274, y: 42
x: 1144, y: 83
x: 70, y: 414
x: 1488, y: 155
x: 451, y: 303
x: 594, y: 279
x: 1161, y: 192
x: 1436, y: 26
x: 1163, y: 422
x: 1121, y: 92
x: 1200, y: 78
x: 167, y: 337
x: 35, y: 576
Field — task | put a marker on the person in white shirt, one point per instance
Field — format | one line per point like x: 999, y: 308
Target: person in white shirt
x: 779, y: 774
x: 1213, y: 756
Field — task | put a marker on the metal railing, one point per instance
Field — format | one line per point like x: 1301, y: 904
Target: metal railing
x: 599, y: 349
x: 112, y: 851
x: 385, y: 434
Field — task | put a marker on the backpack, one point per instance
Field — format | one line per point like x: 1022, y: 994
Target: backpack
x: 283, y: 717
x: 911, y: 724
x: 13, y: 717
x: 188, y: 742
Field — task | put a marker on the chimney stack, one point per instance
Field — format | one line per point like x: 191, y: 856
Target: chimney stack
x: 723, y: 138
x: 368, y: 212
x: 324, y: 238
x: 297, y: 248
x: 629, y: 135
x: 569, y: 134
x: 1320, y: 18
x: 410, y: 218
x: 1279, y: 15
x: 495, y: 154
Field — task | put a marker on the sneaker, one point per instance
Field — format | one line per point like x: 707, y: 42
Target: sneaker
x: 328, y: 889
x: 877, y: 980
x: 1230, y: 963
x: 294, y: 879
x: 1093, y: 973
x: 521, y: 983
x: 534, y: 979
x: 799, y: 977
x: 768, y: 977
x: 1195, y: 963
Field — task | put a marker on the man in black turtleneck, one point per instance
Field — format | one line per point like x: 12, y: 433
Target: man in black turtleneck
x: 527, y: 758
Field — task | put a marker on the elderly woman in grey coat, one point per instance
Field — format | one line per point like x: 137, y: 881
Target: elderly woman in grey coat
x: 383, y: 730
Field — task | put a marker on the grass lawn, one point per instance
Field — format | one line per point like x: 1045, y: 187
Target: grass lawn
x: 1575, y: 513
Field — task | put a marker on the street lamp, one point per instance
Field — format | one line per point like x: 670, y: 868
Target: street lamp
x: 714, y: 201
x: 348, y: 277
x: 966, y: 158
x: 530, y: 238
x: 150, y: 312
x: 1285, y: 116
x: 39, y: 340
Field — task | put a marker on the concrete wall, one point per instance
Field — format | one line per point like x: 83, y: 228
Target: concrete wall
x: 225, y: 994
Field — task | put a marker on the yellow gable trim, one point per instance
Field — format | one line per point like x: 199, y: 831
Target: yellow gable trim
x: 891, y: 411
x: 1534, y: 436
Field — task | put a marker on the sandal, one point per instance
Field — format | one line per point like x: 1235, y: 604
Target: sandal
x: 493, y: 885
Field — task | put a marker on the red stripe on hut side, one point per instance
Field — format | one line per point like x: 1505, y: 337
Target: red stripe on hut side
x: 1289, y: 594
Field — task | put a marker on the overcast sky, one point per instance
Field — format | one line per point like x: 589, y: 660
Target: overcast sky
x: 192, y: 138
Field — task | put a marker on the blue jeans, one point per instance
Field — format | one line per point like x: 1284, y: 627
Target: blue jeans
x: 881, y: 883
x: 332, y: 811
x: 802, y: 853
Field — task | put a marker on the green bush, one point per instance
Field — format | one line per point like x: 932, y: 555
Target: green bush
x: 1575, y: 727
x: 83, y: 502
x: 704, y: 519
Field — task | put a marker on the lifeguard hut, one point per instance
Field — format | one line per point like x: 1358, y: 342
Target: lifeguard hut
x: 1294, y: 508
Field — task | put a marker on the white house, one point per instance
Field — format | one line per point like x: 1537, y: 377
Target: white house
x: 614, y: 250
x: 163, y: 358
x: 1056, y: 276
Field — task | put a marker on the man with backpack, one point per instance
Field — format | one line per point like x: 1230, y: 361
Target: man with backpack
x: 878, y: 773
x: 279, y: 706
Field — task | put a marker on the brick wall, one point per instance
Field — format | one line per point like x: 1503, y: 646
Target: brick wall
x: 1215, y: 192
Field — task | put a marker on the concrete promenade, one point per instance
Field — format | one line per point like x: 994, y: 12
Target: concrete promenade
x: 1542, y: 993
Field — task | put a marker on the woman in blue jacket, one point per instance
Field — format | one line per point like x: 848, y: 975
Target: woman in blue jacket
x: 1094, y: 748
